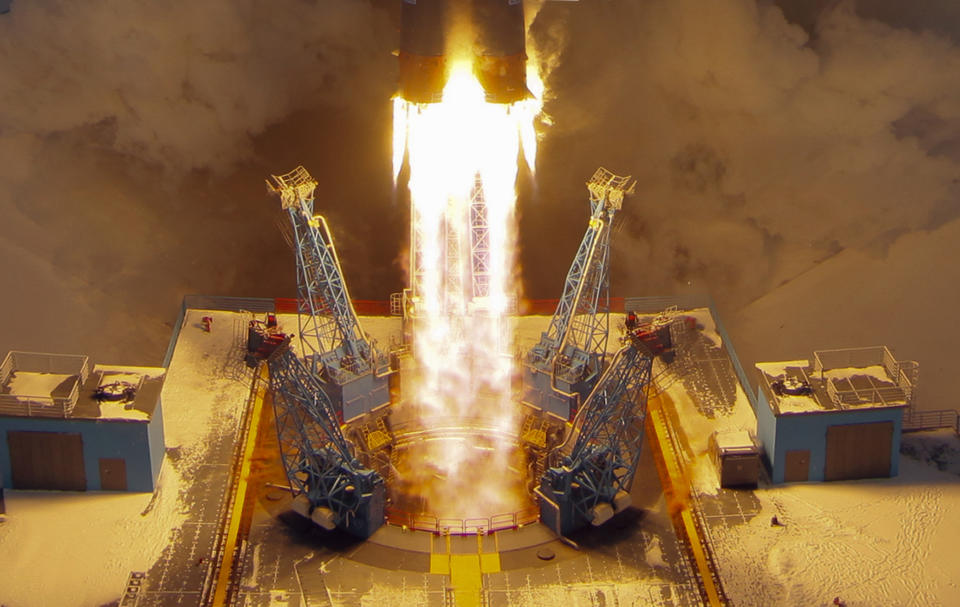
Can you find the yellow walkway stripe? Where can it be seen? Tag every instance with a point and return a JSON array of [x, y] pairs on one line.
[[676, 488], [236, 510], [465, 570], [490, 562], [466, 580], [440, 564]]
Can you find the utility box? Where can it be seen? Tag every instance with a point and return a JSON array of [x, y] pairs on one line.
[[737, 458]]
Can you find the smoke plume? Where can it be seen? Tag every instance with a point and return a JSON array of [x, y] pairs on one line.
[[767, 138], [760, 148], [134, 140]]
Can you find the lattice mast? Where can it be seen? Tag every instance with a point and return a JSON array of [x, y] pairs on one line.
[[565, 365], [599, 459], [465, 255], [331, 487], [479, 241], [336, 348]]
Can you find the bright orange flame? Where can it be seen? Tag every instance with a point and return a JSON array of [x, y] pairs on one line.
[[462, 338]]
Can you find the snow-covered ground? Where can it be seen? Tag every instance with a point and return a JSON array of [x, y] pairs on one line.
[[872, 542], [65, 548]]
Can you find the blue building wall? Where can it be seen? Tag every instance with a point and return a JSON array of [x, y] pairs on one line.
[[767, 433], [129, 440], [155, 437], [809, 432]]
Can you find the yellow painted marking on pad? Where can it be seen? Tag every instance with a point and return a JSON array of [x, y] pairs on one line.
[[490, 562], [236, 511], [465, 577], [677, 479], [440, 564]]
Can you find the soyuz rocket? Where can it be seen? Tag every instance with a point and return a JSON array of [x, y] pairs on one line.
[[433, 30]]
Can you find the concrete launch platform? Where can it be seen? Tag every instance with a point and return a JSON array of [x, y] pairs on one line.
[[634, 559]]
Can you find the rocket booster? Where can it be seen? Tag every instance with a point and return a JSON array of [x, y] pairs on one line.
[[492, 30]]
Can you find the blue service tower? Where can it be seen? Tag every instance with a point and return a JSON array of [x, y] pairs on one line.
[[331, 486], [561, 370], [593, 470], [351, 370]]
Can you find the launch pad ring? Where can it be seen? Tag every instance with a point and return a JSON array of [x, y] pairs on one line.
[[409, 481]]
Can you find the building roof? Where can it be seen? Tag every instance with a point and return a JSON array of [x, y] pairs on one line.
[[735, 442], [838, 380], [64, 386]]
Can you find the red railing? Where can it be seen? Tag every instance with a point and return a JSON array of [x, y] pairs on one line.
[[364, 307], [546, 307], [374, 307]]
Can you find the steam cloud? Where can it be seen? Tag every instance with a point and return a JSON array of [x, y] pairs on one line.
[[766, 138], [134, 140], [760, 149]]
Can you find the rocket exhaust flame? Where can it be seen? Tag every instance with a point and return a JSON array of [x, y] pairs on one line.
[[462, 154]]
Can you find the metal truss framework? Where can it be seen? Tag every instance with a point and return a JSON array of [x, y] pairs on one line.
[[573, 349], [457, 275], [593, 479], [329, 328], [318, 460], [479, 241]]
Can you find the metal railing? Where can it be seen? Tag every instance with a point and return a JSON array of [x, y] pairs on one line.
[[931, 420], [42, 405], [902, 374], [462, 526], [877, 395], [825, 360]]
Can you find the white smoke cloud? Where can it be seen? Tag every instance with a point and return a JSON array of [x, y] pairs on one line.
[[759, 150], [183, 84], [126, 134]]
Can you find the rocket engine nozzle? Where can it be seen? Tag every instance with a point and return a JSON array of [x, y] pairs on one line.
[[496, 34]]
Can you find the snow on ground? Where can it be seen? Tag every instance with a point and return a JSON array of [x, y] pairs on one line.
[[206, 384], [872, 542], [705, 319], [697, 430], [65, 548]]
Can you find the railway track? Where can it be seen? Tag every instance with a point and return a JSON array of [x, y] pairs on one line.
[[223, 577], [683, 505]]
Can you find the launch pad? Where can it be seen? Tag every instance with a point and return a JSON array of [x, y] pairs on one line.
[[420, 485], [283, 558]]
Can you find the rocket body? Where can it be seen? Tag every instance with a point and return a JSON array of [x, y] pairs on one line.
[[491, 32]]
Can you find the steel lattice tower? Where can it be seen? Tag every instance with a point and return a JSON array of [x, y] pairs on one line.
[[599, 459], [331, 486], [564, 366], [353, 372]]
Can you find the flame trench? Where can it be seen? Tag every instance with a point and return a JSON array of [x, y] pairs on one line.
[[461, 459]]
